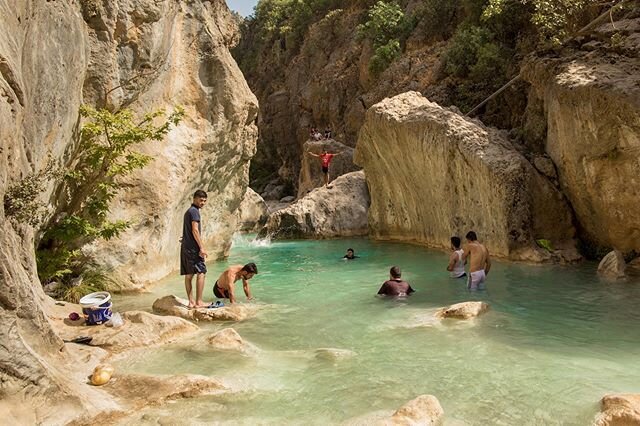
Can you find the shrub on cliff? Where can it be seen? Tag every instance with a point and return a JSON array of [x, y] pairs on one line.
[[386, 27]]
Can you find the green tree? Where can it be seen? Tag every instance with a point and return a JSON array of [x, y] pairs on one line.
[[386, 27], [553, 19], [106, 154]]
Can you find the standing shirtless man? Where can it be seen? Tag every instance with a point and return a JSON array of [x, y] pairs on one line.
[[325, 159], [480, 262], [223, 288]]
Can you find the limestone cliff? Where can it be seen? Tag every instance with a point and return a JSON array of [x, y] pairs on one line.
[[433, 174], [144, 55], [177, 53], [589, 101]]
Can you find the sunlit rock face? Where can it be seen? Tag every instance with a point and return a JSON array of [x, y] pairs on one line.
[[433, 173], [590, 101], [139, 54], [178, 54]]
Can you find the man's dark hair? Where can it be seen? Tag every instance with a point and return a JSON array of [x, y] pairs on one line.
[[471, 236], [200, 194], [395, 272], [250, 268], [349, 249], [456, 242]]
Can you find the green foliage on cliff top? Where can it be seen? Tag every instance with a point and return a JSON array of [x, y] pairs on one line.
[[386, 27], [106, 154]]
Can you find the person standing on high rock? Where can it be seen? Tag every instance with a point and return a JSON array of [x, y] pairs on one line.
[[480, 262], [192, 252], [325, 159]]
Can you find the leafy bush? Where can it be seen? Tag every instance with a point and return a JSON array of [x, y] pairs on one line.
[[553, 19], [386, 26], [21, 201], [106, 154], [436, 18]]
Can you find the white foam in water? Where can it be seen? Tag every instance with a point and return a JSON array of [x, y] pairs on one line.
[[251, 240]]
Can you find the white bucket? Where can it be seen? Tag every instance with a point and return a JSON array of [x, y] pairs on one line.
[[95, 299]]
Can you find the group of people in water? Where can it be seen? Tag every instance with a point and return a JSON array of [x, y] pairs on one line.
[[193, 256]]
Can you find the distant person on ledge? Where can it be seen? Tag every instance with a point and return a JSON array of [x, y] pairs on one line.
[[223, 288], [325, 159], [350, 255], [480, 262], [192, 252], [395, 286], [456, 262]]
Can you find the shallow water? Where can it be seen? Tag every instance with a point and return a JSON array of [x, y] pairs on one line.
[[556, 340]]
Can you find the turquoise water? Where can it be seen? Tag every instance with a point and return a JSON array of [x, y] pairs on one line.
[[556, 340]]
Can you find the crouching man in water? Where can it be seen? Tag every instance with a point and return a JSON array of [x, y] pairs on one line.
[[395, 286], [480, 262], [223, 288]]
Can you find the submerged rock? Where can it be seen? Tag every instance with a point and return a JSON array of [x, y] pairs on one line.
[[337, 211], [229, 340], [619, 410], [332, 354], [173, 305], [424, 410], [311, 175], [135, 391], [450, 174], [464, 310], [612, 265]]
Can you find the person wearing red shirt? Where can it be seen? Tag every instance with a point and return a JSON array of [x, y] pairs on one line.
[[325, 159]]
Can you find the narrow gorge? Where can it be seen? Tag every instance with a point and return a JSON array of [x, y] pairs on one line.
[[519, 120]]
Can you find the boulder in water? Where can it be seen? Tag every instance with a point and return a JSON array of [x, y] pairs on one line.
[[464, 310], [253, 211], [337, 211], [424, 410], [619, 410], [173, 305], [612, 265], [229, 340]]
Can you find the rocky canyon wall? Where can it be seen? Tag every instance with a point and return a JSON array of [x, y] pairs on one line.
[[327, 83], [590, 102], [433, 173], [140, 54]]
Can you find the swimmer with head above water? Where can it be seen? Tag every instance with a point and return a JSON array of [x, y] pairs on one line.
[[456, 263], [395, 286], [350, 255]]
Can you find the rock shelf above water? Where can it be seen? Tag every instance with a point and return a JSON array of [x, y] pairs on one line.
[[464, 310], [139, 329], [173, 305], [135, 391]]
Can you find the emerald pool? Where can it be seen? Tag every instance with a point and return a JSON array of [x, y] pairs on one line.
[[556, 340]]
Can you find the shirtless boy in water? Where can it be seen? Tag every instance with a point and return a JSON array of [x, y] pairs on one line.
[[223, 288], [480, 262]]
